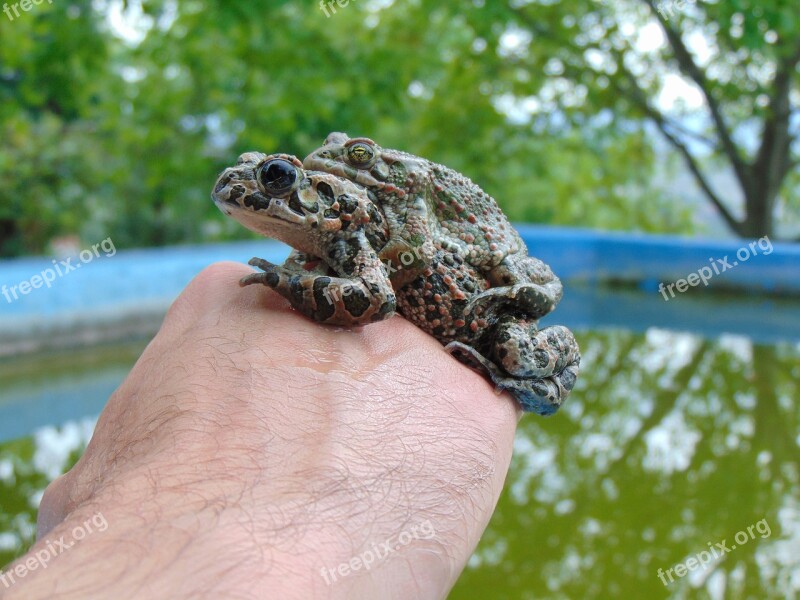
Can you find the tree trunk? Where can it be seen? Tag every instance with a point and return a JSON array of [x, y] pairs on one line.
[[759, 208]]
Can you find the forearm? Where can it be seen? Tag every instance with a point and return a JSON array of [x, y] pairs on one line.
[[286, 460], [205, 531]]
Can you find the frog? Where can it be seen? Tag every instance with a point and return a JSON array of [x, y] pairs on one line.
[[426, 204], [335, 274]]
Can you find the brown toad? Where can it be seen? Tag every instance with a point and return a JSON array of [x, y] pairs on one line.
[[427, 204], [335, 275]]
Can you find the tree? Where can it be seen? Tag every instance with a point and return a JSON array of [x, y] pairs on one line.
[[740, 56], [772, 41], [551, 107]]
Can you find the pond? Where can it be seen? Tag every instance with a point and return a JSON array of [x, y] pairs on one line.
[[672, 445]]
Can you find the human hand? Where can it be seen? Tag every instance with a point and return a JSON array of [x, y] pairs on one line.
[[251, 453]]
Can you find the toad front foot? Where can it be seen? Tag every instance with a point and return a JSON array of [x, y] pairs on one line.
[[406, 261], [539, 368], [325, 298], [410, 249]]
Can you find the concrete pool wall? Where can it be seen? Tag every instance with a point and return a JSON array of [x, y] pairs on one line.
[[126, 295]]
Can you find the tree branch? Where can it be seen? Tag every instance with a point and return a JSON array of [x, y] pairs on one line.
[[774, 156], [690, 67], [713, 145], [638, 97]]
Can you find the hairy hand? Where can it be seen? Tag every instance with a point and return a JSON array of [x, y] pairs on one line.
[[252, 453]]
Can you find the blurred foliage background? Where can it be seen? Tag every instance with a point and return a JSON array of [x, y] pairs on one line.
[[681, 117]]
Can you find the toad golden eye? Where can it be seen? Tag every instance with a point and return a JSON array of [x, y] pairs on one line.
[[277, 176], [360, 154]]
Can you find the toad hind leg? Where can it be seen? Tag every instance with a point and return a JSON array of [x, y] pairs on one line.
[[324, 298], [524, 282], [539, 368]]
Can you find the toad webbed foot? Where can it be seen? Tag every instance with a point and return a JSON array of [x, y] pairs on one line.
[[538, 367]]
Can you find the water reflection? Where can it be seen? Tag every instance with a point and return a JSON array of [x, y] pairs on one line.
[[26, 467], [670, 443]]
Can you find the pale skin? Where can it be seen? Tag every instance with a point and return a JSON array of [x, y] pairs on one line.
[[251, 452]]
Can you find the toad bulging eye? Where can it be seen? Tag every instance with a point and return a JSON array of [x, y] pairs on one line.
[[277, 176], [360, 154]]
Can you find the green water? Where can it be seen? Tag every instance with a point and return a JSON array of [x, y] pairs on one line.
[[670, 445]]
